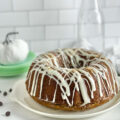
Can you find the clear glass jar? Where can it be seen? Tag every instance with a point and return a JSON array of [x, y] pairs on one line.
[[90, 25]]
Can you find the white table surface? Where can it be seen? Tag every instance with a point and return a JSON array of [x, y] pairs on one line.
[[19, 113]]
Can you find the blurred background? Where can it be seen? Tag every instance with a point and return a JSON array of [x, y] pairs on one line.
[[51, 24]]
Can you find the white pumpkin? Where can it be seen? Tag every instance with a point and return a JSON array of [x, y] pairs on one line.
[[13, 51]]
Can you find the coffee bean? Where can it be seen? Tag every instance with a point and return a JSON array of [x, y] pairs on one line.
[[0, 91], [10, 90], [1, 104], [7, 113], [5, 93]]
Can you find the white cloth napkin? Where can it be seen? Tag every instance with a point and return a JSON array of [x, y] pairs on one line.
[[113, 53]]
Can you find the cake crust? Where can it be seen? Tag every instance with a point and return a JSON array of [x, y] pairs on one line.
[[73, 108]]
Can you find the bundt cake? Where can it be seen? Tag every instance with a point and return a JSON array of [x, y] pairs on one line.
[[72, 79]]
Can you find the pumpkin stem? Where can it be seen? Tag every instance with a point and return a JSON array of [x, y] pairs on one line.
[[7, 37]]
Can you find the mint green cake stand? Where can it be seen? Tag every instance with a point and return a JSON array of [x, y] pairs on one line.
[[17, 69]]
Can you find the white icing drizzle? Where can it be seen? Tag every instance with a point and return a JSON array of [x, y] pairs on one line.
[[87, 74], [47, 65], [54, 94], [83, 89]]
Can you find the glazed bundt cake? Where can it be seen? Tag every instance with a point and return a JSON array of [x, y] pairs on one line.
[[72, 79]]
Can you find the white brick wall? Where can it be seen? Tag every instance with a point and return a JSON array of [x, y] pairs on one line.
[[111, 41], [58, 4], [13, 19], [44, 46], [43, 17], [112, 30], [51, 24], [27, 4], [31, 33], [68, 16], [60, 32], [5, 5], [112, 3], [111, 15]]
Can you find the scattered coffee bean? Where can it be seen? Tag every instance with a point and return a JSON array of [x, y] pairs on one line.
[[10, 90], [1, 104], [0, 91], [5, 93], [7, 113]]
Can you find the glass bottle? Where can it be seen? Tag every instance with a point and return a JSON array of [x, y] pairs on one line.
[[90, 25]]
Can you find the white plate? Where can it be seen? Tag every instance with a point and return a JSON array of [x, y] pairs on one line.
[[21, 96]]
